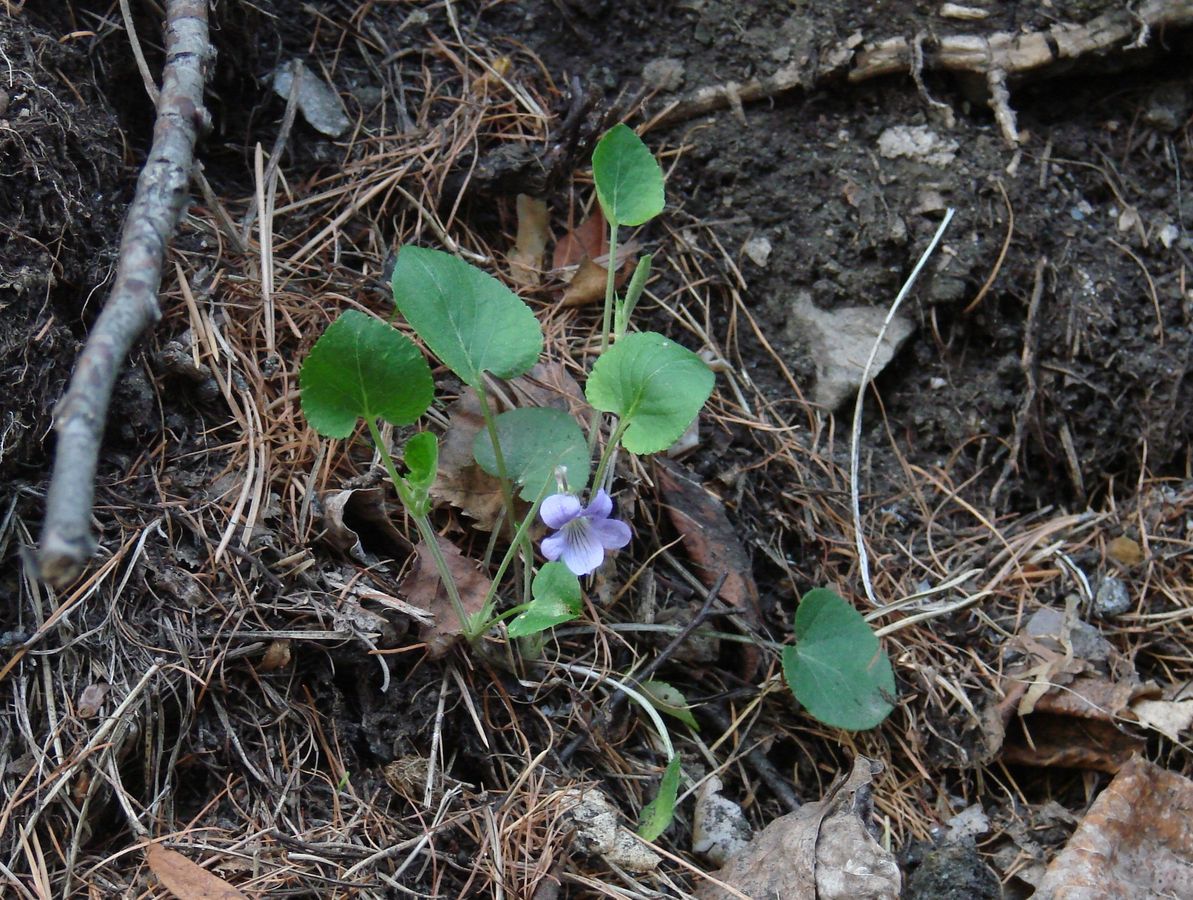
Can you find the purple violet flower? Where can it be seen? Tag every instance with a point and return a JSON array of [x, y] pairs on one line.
[[583, 534]]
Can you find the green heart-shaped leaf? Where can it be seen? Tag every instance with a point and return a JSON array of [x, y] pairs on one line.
[[629, 182], [533, 442], [557, 599], [467, 318], [655, 385], [837, 669], [658, 813], [361, 368]]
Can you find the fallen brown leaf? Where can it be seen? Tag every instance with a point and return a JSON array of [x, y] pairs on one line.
[[711, 543], [423, 588], [464, 484], [186, 880], [587, 285], [549, 385], [460, 481], [1064, 698], [589, 239], [526, 262], [822, 850], [1135, 840], [91, 699]]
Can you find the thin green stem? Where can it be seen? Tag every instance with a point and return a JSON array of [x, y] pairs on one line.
[[423, 524], [519, 536], [610, 289], [507, 492], [607, 455], [427, 533]]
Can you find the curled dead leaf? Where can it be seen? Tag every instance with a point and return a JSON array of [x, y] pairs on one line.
[[822, 850], [348, 514]]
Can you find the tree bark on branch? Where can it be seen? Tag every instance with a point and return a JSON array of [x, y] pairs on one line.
[[66, 540]]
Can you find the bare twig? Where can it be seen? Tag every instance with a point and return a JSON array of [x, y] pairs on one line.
[[1030, 364], [67, 542]]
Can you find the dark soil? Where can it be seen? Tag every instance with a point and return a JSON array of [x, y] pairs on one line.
[[1021, 417]]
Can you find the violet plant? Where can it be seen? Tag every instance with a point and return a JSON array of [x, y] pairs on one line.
[[644, 388]]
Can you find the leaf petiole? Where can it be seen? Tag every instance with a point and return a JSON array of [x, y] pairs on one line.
[[423, 523]]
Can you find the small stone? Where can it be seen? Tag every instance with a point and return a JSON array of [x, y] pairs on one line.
[[1086, 640], [917, 142], [719, 828], [972, 822], [597, 832], [758, 250], [1112, 598], [1125, 551], [666, 74]]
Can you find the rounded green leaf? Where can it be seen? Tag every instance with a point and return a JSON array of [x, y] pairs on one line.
[[468, 318], [363, 368], [837, 669], [629, 182], [556, 599], [533, 442], [655, 385]]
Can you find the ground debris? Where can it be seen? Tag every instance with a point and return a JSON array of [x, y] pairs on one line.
[[822, 850], [1133, 842], [599, 833], [317, 102]]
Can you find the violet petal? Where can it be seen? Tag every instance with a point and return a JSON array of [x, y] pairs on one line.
[[599, 506], [582, 552], [613, 534], [554, 545], [559, 509]]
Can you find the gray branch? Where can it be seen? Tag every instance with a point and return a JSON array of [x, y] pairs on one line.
[[66, 540]]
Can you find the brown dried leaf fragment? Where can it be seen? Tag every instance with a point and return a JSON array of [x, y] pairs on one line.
[[711, 543], [526, 262], [461, 482], [423, 588], [587, 285], [1134, 841], [92, 699], [186, 880]]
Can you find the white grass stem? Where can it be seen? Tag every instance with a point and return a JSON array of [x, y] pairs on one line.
[[863, 557]]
